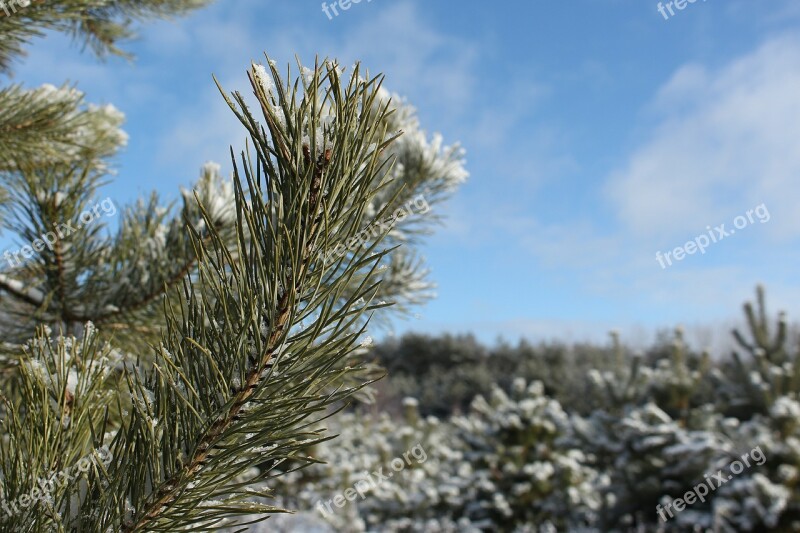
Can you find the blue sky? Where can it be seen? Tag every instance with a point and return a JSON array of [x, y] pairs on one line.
[[597, 133]]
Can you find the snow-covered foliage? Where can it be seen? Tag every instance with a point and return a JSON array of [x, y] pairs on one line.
[[518, 461], [501, 465], [72, 132]]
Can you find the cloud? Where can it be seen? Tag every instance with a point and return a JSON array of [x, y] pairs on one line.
[[727, 139], [574, 243], [722, 140]]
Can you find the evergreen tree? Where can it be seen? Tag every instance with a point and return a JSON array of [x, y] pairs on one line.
[[761, 392], [755, 382], [501, 467], [649, 437], [184, 357]]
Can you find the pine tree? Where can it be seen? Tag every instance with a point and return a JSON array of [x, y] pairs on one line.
[[762, 393], [184, 357], [649, 437], [754, 383], [501, 467]]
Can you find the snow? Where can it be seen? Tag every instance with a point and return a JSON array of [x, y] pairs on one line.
[[263, 79], [19, 287]]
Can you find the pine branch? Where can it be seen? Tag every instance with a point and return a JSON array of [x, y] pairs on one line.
[[168, 493], [97, 24], [147, 299], [50, 126], [101, 279], [17, 289], [263, 340], [236, 351]]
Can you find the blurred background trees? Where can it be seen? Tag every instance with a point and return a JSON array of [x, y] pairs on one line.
[[556, 437]]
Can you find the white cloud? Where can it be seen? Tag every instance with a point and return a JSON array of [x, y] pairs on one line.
[[728, 140]]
